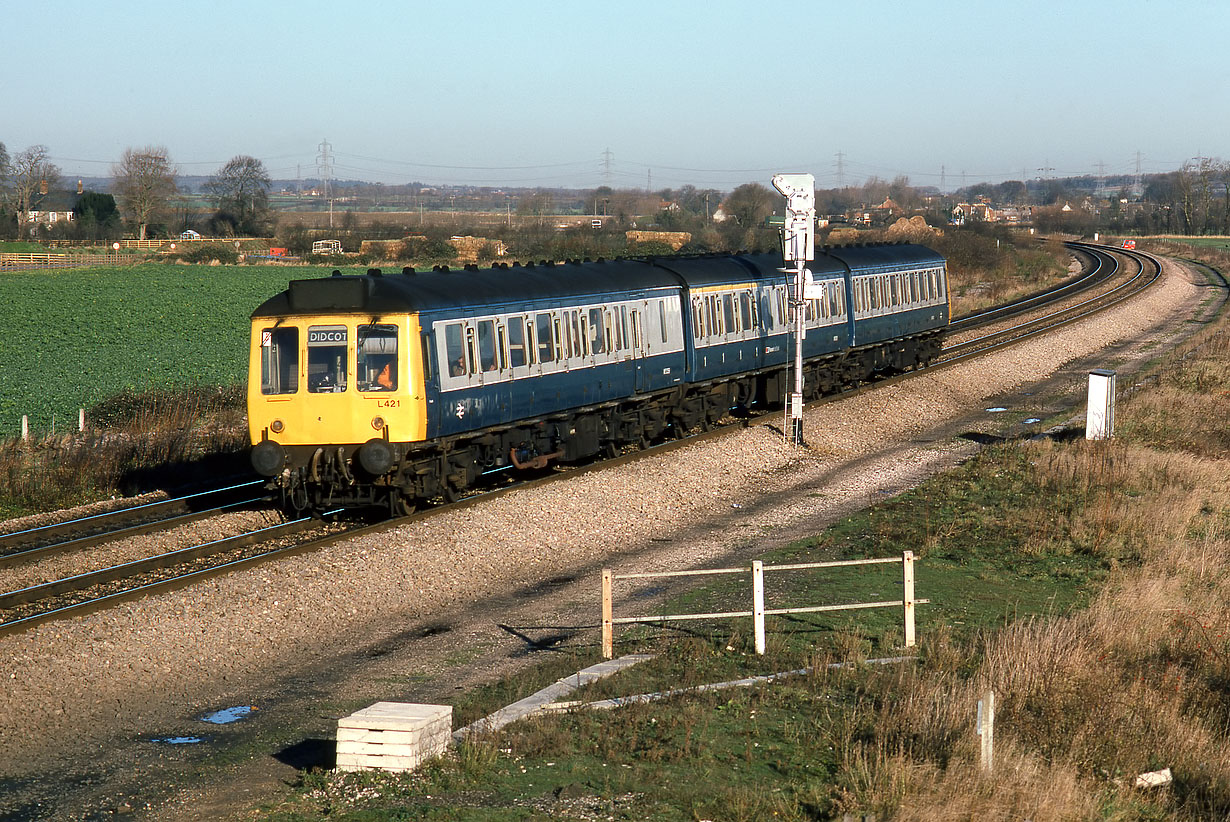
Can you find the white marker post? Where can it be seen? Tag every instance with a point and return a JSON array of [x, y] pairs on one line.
[[799, 238], [1100, 413]]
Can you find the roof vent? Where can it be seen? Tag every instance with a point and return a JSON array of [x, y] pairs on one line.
[[336, 273], [375, 272], [408, 270]]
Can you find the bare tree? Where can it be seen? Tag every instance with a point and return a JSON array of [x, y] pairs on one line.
[[240, 191], [750, 204], [144, 184], [33, 176]]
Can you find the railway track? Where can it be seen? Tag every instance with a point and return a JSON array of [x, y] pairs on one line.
[[86, 532], [1148, 271], [167, 571]]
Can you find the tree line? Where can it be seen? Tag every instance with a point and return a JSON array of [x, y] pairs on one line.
[[145, 199]]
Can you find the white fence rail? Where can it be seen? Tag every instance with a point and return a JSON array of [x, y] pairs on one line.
[[759, 612]]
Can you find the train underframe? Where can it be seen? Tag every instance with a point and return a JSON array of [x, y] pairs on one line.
[[396, 476]]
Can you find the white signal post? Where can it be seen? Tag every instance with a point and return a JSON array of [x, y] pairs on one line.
[[798, 247]]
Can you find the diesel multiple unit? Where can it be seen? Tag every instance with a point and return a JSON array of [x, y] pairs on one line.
[[383, 390]]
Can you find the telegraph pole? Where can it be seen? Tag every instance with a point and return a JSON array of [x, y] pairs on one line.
[[798, 247]]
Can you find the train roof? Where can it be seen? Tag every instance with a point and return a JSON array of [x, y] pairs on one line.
[[462, 287], [518, 285]]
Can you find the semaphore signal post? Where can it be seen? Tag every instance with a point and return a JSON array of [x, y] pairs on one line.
[[798, 247]]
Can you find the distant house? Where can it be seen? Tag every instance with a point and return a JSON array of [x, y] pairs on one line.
[[54, 207]]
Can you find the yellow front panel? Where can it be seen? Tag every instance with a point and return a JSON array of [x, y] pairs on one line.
[[313, 411]]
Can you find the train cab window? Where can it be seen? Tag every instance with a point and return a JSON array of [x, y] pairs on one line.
[[377, 357], [326, 358], [486, 346], [455, 351], [546, 345], [517, 351], [597, 332], [279, 360]]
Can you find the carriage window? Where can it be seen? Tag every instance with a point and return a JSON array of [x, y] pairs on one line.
[[546, 349], [572, 334], [745, 311], [516, 343], [427, 364], [377, 361], [327, 358], [486, 345], [454, 350], [621, 328], [662, 317], [728, 313], [835, 307], [597, 332], [279, 360]]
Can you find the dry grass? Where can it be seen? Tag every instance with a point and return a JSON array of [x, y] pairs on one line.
[[142, 440], [1137, 682]]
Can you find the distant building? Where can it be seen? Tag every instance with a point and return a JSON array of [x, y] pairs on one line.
[[53, 208]]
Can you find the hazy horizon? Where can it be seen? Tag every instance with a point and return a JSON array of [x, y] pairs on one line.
[[710, 94]]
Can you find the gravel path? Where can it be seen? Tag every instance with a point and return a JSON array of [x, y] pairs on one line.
[[84, 684]]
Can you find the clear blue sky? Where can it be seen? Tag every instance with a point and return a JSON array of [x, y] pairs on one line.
[[713, 93]]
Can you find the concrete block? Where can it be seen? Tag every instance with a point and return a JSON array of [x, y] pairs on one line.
[[393, 736]]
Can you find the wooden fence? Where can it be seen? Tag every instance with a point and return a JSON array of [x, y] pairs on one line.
[[759, 612], [22, 262]]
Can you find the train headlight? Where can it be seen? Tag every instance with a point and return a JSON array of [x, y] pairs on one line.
[[378, 423], [377, 457], [268, 458], [277, 426]]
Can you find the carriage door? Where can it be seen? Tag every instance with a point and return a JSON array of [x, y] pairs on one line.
[[639, 353]]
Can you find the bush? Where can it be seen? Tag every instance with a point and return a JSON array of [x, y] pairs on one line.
[[206, 253]]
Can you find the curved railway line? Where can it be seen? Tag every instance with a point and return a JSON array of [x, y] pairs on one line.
[[170, 570]]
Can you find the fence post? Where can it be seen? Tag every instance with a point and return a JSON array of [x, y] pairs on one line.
[[907, 596], [608, 626], [758, 604], [986, 729], [25, 427], [80, 419]]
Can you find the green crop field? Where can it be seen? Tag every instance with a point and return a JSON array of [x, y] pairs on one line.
[[73, 337]]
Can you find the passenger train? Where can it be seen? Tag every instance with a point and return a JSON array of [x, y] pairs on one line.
[[384, 390]]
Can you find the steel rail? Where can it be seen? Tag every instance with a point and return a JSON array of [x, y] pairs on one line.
[[99, 526]]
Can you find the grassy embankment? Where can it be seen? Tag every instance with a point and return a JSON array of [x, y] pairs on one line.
[[155, 352], [1086, 584]]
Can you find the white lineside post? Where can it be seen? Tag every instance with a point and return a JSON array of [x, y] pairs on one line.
[[25, 427], [986, 730], [1100, 414], [798, 247], [80, 419], [907, 595], [758, 605], [608, 624]]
